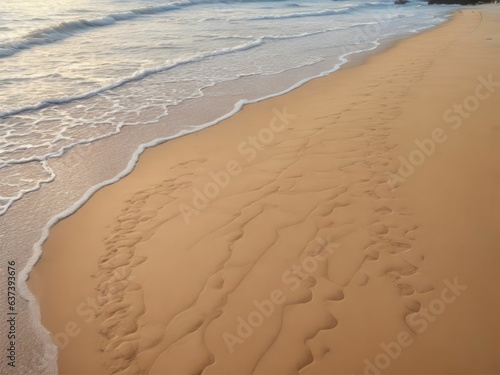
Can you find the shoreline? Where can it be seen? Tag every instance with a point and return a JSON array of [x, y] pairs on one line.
[[349, 58], [29, 304], [359, 58], [364, 54], [278, 95]]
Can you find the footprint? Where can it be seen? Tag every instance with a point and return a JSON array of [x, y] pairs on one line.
[[383, 211], [406, 290], [360, 279]]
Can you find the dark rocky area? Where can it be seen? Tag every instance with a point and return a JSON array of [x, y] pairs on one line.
[[460, 2]]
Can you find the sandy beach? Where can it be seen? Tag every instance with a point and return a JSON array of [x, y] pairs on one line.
[[347, 227]]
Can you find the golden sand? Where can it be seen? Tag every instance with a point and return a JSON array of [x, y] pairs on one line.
[[349, 226]]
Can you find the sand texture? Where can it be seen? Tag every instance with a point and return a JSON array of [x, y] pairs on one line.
[[350, 226]]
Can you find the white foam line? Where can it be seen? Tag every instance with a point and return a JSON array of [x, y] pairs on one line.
[[22, 192], [43, 161], [139, 75]]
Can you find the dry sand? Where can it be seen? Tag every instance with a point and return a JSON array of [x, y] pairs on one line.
[[306, 229]]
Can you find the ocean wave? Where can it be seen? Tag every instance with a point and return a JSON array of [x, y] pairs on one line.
[[64, 30], [248, 42], [326, 12], [141, 74], [320, 13]]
